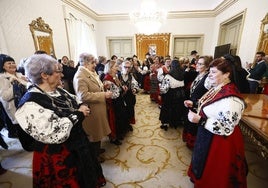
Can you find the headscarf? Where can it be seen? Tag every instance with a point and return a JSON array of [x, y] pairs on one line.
[[176, 71]]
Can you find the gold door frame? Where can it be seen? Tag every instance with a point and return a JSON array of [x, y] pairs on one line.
[[158, 44], [42, 36]]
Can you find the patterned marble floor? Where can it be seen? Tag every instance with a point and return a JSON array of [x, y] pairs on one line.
[[148, 158]]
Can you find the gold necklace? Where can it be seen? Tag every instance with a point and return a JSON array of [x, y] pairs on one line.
[[59, 104], [208, 96]]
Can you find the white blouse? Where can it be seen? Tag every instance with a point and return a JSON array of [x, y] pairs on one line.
[[224, 115], [43, 124]]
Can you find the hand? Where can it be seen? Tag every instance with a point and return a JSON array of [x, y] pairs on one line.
[[193, 117], [12, 79], [134, 91], [188, 103], [108, 94], [24, 78], [85, 109], [125, 88]]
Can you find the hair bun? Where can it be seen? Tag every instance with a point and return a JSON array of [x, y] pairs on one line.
[[229, 57]]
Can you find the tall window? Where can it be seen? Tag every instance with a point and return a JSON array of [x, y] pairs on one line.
[[81, 37]]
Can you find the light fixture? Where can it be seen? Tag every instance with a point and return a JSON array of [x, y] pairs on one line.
[[149, 19]]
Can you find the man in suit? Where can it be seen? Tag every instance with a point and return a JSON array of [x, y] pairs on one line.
[[256, 71]]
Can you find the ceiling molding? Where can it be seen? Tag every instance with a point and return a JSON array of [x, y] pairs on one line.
[[171, 15]]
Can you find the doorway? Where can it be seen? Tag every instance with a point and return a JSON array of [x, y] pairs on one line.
[[183, 45]]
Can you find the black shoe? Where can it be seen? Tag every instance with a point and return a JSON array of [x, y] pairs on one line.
[[165, 127], [116, 142], [102, 150], [2, 170], [130, 128], [3, 143], [100, 159]]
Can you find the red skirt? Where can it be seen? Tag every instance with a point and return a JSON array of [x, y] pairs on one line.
[[49, 170], [226, 165]]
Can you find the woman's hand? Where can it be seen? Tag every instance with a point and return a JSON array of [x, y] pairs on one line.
[[85, 109], [193, 117], [108, 94], [188, 103]]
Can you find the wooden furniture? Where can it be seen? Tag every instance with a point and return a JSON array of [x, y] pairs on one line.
[[42, 36], [254, 122], [156, 44]]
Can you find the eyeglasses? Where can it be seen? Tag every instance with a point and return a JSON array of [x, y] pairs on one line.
[[58, 70], [200, 64], [126, 67]]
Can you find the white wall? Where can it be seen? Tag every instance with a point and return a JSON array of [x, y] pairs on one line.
[[16, 39], [15, 17], [255, 12], [189, 26]]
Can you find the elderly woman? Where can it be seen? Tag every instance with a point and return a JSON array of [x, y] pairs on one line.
[[116, 107], [197, 90], [131, 88], [90, 90], [53, 119], [9, 96], [219, 144]]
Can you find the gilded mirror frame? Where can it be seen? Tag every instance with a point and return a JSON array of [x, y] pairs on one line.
[[42, 36], [263, 38]]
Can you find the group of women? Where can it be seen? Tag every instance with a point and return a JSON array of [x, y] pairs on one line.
[[65, 145], [210, 113]]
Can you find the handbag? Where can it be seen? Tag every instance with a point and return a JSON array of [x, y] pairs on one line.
[[18, 91]]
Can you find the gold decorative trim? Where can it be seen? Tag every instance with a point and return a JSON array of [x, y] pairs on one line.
[[263, 37], [40, 25], [255, 138], [160, 40], [42, 36]]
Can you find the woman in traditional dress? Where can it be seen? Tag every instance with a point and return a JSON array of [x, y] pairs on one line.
[[197, 90], [219, 157], [52, 118], [131, 89], [172, 110], [116, 107]]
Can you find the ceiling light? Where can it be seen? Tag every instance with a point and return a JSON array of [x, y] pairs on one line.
[[149, 19]]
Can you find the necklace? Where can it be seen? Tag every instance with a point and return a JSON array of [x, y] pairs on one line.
[[208, 96], [61, 101], [196, 82]]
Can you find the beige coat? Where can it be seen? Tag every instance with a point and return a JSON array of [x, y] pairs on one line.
[[90, 91]]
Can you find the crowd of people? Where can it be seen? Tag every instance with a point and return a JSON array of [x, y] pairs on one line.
[[62, 111]]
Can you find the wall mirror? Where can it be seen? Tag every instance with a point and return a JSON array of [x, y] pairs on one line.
[[42, 36]]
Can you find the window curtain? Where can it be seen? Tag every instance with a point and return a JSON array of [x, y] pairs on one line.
[[81, 37], [3, 46]]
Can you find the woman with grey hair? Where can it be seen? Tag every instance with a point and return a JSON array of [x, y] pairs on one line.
[[51, 123], [89, 89]]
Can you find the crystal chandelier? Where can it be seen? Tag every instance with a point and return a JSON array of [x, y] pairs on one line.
[[149, 19]]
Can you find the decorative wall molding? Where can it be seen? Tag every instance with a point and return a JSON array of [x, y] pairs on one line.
[[171, 15]]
